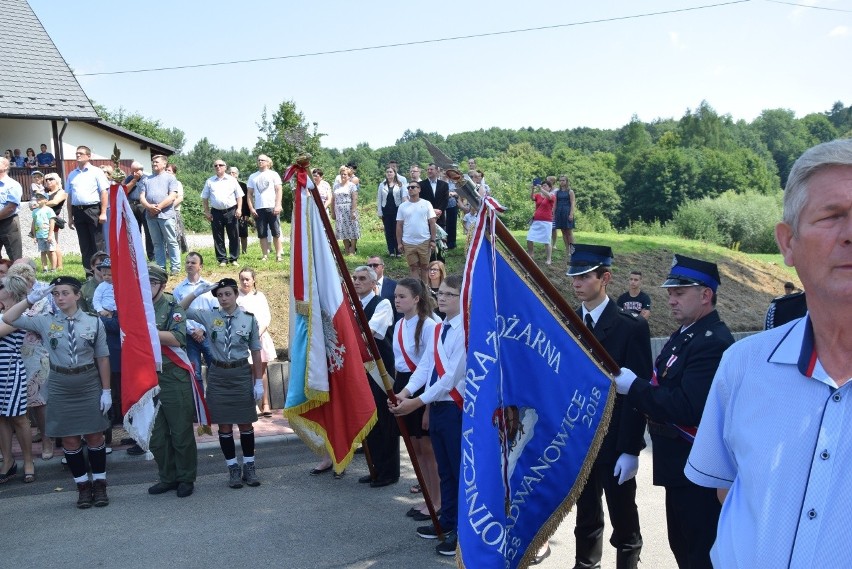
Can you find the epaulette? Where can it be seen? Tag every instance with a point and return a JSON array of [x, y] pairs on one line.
[[629, 313], [249, 313]]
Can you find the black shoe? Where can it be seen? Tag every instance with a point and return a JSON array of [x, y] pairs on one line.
[[544, 555], [428, 532], [185, 489], [382, 483], [419, 517], [339, 475], [412, 512], [448, 546], [359, 450], [162, 488], [135, 450], [128, 441], [365, 479], [318, 471]]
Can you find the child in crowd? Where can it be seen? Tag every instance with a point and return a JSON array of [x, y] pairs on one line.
[[43, 231], [104, 299], [445, 353]]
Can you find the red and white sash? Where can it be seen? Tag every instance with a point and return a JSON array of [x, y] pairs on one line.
[[178, 357], [408, 362], [440, 357]]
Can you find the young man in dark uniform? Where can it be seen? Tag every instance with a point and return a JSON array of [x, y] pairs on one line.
[[673, 399], [627, 339]]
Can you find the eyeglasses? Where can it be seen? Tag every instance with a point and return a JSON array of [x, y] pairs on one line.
[[413, 187], [374, 265], [218, 165], [442, 294]]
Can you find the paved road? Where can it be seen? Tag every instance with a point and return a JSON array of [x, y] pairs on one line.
[[292, 520]]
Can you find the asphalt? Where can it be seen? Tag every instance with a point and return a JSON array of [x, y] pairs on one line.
[[291, 520]]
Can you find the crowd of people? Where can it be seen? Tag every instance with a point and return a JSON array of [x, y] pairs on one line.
[[746, 482], [29, 159]]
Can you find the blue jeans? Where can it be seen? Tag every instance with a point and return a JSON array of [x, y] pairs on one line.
[[194, 351], [164, 238]]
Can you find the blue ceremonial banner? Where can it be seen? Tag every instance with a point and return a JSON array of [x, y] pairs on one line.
[[536, 408]]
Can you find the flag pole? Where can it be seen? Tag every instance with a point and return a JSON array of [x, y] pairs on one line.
[[374, 350]]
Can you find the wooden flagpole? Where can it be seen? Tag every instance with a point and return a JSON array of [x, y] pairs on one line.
[[374, 350]]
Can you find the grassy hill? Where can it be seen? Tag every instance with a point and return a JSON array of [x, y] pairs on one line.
[[749, 282]]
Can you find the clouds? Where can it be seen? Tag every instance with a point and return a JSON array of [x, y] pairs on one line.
[[676, 41], [839, 32]]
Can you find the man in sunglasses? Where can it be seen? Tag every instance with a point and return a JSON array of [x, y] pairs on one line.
[[222, 198], [385, 287], [415, 232]]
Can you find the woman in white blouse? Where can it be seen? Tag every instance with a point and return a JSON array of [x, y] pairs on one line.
[[254, 301], [410, 338]]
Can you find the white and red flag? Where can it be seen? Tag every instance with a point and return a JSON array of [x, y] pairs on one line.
[[141, 356], [329, 402]]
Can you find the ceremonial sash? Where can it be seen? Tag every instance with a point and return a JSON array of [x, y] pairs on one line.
[[178, 357], [410, 364], [441, 356], [686, 433]]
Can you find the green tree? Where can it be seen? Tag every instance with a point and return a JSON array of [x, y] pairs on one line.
[[784, 136], [593, 179], [282, 137], [148, 127], [704, 128]]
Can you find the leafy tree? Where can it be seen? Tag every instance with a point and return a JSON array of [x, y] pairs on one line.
[[282, 138], [633, 139], [593, 178], [704, 128], [784, 136], [819, 127], [151, 128]]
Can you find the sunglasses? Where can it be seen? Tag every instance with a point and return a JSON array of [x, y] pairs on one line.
[[413, 187]]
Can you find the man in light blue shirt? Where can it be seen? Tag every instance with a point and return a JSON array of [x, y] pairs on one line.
[[10, 202], [774, 435], [88, 196]]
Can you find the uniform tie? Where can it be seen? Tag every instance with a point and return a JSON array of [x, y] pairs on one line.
[[72, 342], [228, 336], [434, 378], [590, 324]]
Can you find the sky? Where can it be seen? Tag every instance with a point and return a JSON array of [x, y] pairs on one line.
[[595, 64]]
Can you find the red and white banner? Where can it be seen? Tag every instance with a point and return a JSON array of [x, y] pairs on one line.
[[141, 357]]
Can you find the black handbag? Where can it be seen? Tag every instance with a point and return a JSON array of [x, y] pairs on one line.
[[59, 222]]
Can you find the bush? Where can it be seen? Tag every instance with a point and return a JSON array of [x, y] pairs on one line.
[[647, 228], [593, 220], [739, 221]]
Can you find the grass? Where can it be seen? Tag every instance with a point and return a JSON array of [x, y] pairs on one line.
[[750, 280]]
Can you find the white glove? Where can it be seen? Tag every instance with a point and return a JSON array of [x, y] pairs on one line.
[[626, 467], [258, 389], [37, 294], [204, 288], [624, 380], [106, 401]]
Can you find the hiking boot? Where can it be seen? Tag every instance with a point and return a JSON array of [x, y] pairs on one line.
[[84, 499], [250, 475], [234, 477], [99, 493]]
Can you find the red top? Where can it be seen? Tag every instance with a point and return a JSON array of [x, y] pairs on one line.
[[543, 207]]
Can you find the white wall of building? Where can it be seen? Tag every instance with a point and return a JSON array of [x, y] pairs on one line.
[[19, 133]]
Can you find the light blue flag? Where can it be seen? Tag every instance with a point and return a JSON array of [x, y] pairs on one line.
[[536, 407]]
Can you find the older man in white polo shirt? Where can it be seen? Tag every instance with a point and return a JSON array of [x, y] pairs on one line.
[[222, 198]]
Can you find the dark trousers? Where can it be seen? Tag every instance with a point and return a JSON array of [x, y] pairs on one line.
[[90, 233], [623, 514], [224, 221], [445, 427], [452, 226], [692, 515], [10, 237], [139, 213], [383, 440], [389, 222]]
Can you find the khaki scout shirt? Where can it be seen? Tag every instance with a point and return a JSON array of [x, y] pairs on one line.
[[244, 333], [89, 333]]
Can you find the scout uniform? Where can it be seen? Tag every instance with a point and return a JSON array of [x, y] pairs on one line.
[[172, 440], [230, 394], [74, 389]]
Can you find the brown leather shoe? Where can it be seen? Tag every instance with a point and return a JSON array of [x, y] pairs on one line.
[[84, 499], [99, 493]]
